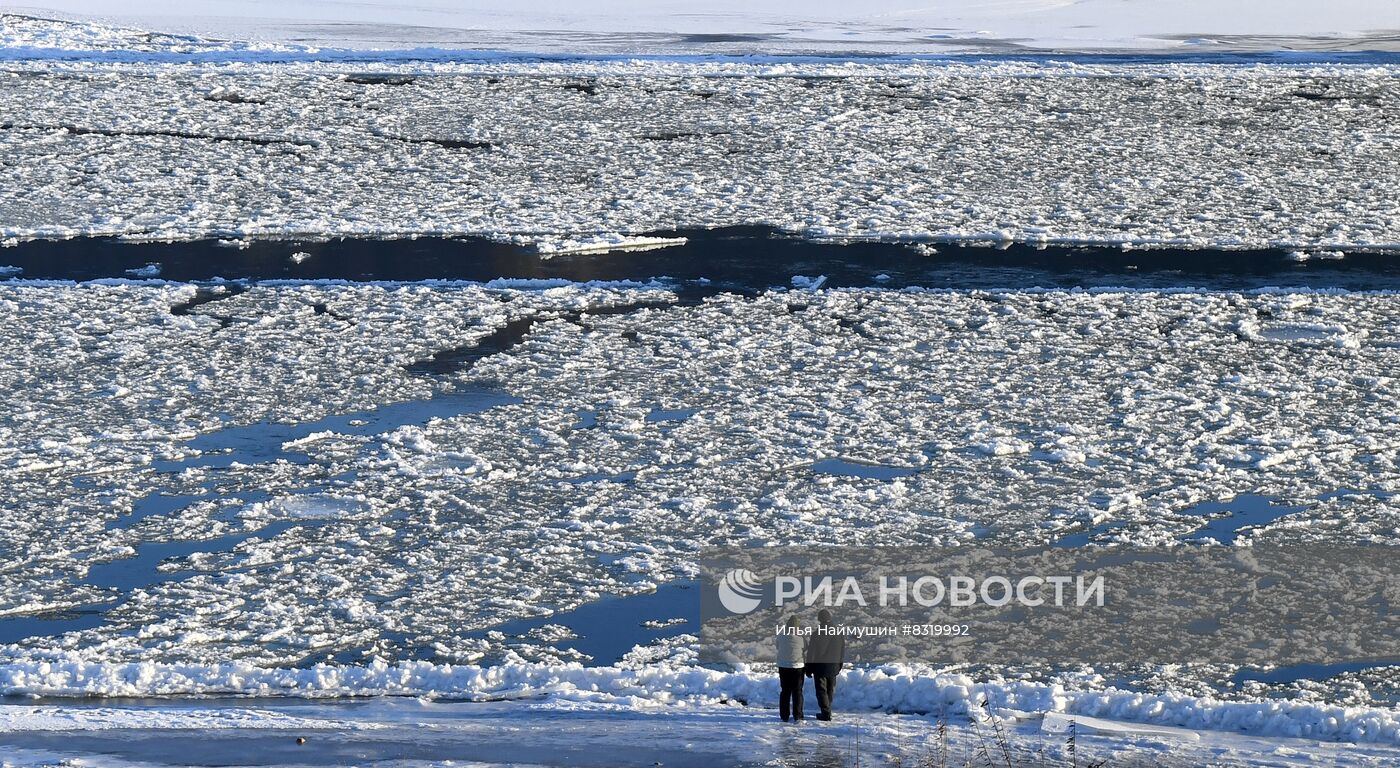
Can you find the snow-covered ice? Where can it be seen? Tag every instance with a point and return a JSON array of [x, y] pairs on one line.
[[1227, 155]]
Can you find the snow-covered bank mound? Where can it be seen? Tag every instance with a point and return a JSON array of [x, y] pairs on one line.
[[888, 689]]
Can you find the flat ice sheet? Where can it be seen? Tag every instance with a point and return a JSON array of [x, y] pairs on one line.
[[419, 732]]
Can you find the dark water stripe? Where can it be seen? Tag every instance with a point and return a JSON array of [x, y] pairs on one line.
[[1299, 672], [513, 333], [608, 628], [737, 258]]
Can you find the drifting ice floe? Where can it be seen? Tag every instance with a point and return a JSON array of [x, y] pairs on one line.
[[150, 270], [605, 243]]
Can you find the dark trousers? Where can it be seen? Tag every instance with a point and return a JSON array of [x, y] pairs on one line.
[[790, 699], [825, 683]]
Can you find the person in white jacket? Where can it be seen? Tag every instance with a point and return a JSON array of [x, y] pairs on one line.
[[792, 652]]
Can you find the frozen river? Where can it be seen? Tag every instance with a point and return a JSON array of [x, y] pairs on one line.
[[386, 400]]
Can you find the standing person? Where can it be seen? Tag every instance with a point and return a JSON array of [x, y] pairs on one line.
[[792, 654], [826, 654]]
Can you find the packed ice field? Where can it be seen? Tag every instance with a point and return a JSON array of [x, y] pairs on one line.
[[334, 489], [138, 135], [620, 444]]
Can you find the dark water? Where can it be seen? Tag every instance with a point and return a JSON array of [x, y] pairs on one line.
[[458, 358], [1299, 672], [262, 442], [156, 504], [658, 415], [513, 333], [741, 259], [844, 468], [1243, 511], [609, 628], [1093, 534], [1229, 519]]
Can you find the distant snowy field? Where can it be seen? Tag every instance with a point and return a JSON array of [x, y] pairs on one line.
[[629, 26]]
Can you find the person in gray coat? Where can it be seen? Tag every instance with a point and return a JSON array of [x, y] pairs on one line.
[[792, 654], [826, 654]]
